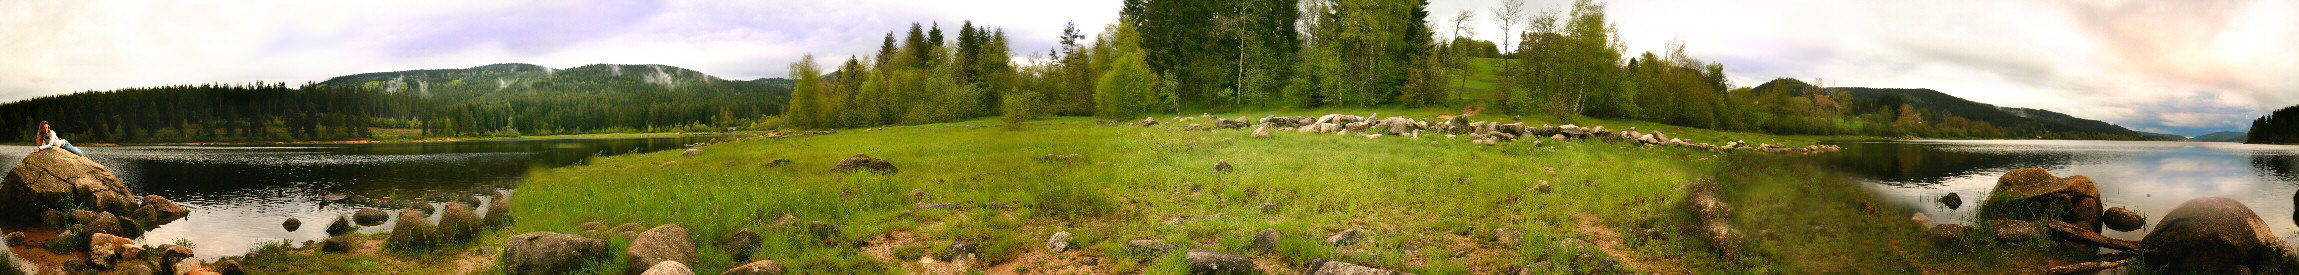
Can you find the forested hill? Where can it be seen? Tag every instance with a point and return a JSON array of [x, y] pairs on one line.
[[2229, 136], [496, 100], [2015, 122]]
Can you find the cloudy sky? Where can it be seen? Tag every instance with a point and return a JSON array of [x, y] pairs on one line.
[[2185, 67]]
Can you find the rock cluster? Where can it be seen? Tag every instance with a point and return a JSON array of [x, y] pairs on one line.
[[1480, 132], [863, 162]]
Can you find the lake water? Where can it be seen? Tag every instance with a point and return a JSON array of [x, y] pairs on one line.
[[238, 195], [2148, 177]]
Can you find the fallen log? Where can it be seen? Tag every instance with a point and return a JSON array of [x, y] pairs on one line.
[[2078, 234], [2104, 263]]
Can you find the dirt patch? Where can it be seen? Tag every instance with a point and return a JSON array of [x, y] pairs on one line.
[[1608, 240]]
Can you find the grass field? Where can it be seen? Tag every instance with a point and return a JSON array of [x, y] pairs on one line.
[[1429, 205]]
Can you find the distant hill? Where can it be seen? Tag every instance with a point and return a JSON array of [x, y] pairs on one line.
[[2229, 136], [2023, 122], [527, 98]]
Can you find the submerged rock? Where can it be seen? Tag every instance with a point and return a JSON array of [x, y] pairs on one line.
[[291, 224]]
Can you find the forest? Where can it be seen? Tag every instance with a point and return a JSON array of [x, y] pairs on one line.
[[1161, 57], [2279, 127]]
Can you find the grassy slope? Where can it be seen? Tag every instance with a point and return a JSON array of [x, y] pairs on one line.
[[1421, 200]]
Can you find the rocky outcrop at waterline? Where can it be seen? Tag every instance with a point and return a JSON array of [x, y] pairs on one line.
[[55, 180], [2209, 235]]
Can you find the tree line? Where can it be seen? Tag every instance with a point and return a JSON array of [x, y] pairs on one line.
[[207, 112], [2279, 127]]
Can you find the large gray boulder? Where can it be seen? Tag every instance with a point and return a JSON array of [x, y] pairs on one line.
[[55, 179], [2213, 235], [550, 253], [668, 242]]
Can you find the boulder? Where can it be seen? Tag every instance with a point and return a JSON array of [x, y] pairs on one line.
[[498, 212], [337, 244], [959, 252], [49, 179], [106, 223], [691, 152], [863, 162], [1261, 132], [668, 242], [2213, 235], [1266, 239], [2033, 194], [228, 267], [156, 211], [170, 253], [668, 268], [291, 224], [761, 267], [105, 250], [740, 244], [339, 227], [457, 222], [2121, 219], [1202, 262], [1952, 201], [1059, 242], [1341, 268], [369, 217], [550, 253]]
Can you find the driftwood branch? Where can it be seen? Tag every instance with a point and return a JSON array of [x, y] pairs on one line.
[[2071, 232], [2104, 263]]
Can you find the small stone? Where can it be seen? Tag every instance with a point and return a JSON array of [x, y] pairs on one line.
[[1266, 240], [1921, 220], [340, 226], [1058, 243], [1345, 237], [1508, 237], [1202, 262], [761, 267], [1223, 167], [1267, 208], [1148, 247]]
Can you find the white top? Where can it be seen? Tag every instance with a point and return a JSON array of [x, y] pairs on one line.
[[53, 141]]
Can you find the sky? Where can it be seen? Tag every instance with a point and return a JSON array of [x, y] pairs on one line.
[[2185, 67]]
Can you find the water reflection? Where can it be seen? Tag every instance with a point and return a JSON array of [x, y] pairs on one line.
[[2148, 177], [239, 194]]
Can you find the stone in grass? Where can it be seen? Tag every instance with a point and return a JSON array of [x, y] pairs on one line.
[[1148, 248], [761, 267], [1266, 239], [668, 242], [550, 253], [1345, 237], [1508, 237], [1202, 262], [1267, 208], [863, 162], [337, 244], [1341, 268], [1058, 243], [668, 268], [740, 244], [1223, 167]]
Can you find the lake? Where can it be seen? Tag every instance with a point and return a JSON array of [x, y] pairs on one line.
[[2149, 177], [239, 195]]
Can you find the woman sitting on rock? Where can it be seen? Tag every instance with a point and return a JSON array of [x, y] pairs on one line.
[[48, 139]]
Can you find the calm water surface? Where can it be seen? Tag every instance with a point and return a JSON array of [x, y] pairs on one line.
[[238, 195], [2151, 178]]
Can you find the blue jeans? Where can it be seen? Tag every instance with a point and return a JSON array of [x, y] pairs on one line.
[[67, 146]]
